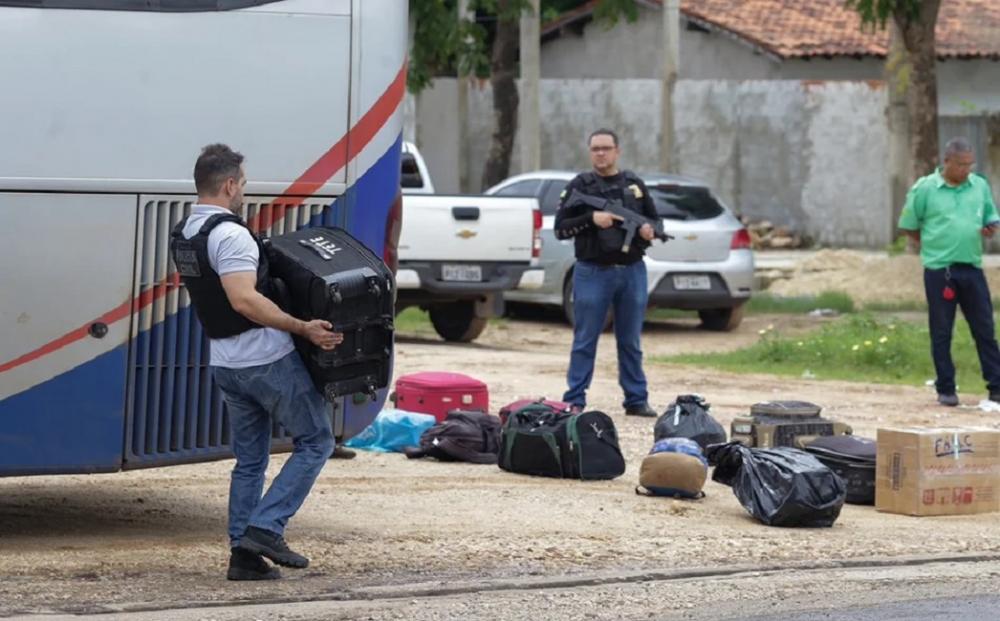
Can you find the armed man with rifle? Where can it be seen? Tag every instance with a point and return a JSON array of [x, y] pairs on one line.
[[613, 219]]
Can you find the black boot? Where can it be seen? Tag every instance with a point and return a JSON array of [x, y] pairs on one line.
[[244, 565], [273, 546], [641, 409]]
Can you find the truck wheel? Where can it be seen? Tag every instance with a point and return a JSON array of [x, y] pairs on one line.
[[721, 319], [567, 305], [457, 321]]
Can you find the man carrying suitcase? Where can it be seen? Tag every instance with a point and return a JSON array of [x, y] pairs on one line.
[[605, 277], [262, 377]]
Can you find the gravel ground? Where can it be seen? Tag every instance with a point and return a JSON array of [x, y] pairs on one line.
[[157, 537]]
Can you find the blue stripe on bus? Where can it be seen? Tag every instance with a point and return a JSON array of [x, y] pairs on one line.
[[364, 207], [363, 210], [72, 422]]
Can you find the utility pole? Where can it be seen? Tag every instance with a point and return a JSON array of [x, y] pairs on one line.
[[462, 110], [670, 46], [897, 75], [529, 126]]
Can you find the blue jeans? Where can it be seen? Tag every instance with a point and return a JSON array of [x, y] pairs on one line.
[[597, 288], [282, 390], [973, 296]]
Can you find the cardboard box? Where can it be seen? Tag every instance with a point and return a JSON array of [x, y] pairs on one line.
[[943, 471]]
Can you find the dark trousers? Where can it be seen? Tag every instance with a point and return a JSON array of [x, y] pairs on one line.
[[973, 296]]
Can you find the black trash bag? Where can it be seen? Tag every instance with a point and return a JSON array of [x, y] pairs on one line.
[[688, 417], [779, 486]]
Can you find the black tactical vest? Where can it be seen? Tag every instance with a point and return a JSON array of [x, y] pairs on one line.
[[209, 299], [608, 242]]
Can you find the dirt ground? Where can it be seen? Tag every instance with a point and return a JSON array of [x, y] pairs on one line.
[[157, 538]]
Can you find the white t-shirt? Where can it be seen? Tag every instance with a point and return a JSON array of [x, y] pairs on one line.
[[231, 249]]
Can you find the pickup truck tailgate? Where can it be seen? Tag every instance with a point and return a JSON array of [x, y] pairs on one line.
[[466, 228]]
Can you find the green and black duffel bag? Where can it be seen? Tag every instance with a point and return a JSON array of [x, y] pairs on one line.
[[560, 444]]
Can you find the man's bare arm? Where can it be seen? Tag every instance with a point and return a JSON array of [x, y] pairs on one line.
[[246, 300]]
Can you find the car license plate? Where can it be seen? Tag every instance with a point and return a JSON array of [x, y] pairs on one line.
[[462, 273], [692, 282]]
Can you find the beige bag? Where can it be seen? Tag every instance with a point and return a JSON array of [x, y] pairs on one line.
[[672, 474]]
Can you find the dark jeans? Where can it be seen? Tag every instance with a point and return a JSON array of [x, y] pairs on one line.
[[255, 397], [973, 296], [596, 289]]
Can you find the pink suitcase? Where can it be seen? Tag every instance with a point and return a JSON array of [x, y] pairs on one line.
[[438, 393]]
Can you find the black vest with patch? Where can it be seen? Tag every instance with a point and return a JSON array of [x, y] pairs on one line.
[[208, 297], [604, 245]]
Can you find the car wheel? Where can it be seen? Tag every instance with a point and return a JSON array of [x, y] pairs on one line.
[[721, 319], [457, 321], [567, 305]]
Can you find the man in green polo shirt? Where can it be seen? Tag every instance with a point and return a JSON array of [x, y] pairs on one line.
[[947, 214]]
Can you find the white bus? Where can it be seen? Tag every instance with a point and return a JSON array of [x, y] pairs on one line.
[[105, 106]]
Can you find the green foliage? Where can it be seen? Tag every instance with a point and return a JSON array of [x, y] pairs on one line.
[[878, 12], [445, 44], [897, 247], [859, 348]]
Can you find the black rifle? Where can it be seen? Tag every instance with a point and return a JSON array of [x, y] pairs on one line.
[[631, 221]]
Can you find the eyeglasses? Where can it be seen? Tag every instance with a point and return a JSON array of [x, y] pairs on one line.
[[600, 149]]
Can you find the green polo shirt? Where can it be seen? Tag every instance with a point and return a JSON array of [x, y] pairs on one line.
[[950, 219]]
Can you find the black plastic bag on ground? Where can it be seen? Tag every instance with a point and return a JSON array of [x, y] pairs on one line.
[[688, 417], [779, 486]]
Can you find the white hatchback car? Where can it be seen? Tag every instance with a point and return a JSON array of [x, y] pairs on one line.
[[708, 267]]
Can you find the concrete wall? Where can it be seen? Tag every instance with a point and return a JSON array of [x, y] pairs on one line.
[[804, 154]]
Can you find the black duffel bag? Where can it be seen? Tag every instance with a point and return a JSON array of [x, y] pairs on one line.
[[779, 486], [560, 444], [462, 436]]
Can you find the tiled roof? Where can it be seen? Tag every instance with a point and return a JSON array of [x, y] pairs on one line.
[[806, 28]]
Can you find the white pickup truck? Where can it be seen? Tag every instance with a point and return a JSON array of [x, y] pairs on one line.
[[458, 254]]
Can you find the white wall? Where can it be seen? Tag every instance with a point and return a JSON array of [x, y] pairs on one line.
[[809, 155]]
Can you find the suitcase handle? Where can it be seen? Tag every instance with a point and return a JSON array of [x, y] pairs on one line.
[[326, 256]]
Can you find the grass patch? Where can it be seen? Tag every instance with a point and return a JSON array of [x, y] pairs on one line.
[[414, 321], [858, 347]]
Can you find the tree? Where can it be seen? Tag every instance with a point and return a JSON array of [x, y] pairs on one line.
[[915, 22], [446, 43]]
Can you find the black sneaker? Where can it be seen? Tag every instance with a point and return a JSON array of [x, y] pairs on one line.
[[273, 546], [995, 397], [244, 565], [642, 409], [339, 452], [950, 400]]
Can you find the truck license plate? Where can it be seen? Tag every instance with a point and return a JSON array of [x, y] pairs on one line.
[[689, 282], [463, 273]]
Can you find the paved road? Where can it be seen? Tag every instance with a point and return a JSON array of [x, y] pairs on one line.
[[880, 590], [966, 608]]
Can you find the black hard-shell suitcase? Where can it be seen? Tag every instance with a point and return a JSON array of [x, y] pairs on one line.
[[853, 459], [324, 273]]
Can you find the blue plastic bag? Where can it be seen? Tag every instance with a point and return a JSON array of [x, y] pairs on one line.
[[392, 431]]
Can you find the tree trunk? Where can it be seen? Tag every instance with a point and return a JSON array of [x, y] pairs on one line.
[[897, 77], [503, 67], [919, 40]]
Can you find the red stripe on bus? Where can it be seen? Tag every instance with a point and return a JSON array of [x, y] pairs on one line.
[[115, 315], [345, 150], [342, 152]]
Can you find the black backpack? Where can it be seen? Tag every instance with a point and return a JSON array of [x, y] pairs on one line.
[[688, 417], [560, 444], [462, 436]]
